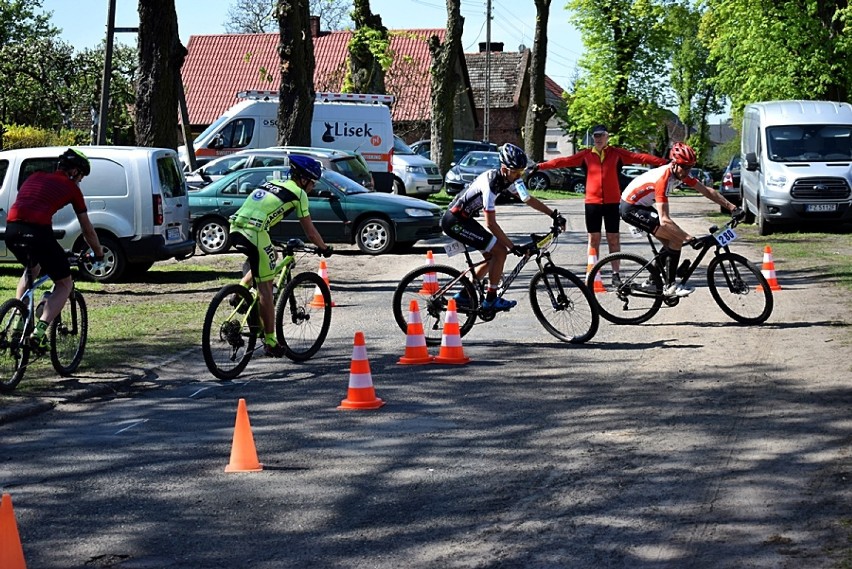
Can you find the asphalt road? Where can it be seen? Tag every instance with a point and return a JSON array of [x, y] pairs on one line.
[[685, 442]]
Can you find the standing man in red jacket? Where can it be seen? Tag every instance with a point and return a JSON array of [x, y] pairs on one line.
[[603, 192]]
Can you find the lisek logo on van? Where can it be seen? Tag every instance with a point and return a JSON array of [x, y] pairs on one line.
[[336, 130]]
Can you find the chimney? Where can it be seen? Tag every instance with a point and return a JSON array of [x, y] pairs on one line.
[[315, 26], [495, 46]]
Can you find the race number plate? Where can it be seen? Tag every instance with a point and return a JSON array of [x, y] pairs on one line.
[[453, 248], [725, 236]]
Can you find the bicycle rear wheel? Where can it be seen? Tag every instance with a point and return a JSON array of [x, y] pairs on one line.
[[14, 349], [68, 333], [638, 296], [430, 287], [229, 334], [303, 316], [564, 305], [740, 290]]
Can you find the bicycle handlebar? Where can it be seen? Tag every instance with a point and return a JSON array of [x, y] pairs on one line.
[[297, 245]]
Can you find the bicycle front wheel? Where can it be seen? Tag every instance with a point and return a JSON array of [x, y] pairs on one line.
[[632, 298], [432, 286], [230, 331], [740, 290], [564, 305], [14, 349], [68, 334], [303, 316]]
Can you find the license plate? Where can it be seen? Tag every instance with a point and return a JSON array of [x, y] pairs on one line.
[[454, 248], [813, 207], [725, 236], [173, 234]]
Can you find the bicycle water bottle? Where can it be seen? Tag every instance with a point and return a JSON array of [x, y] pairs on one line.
[[683, 269]]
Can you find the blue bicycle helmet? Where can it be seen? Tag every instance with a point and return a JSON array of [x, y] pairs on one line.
[[513, 157], [305, 167]]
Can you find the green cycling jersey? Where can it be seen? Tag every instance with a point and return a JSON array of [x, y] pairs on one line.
[[268, 205]]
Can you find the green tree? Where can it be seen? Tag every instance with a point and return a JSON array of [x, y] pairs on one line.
[[779, 49], [445, 81], [692, 75], [369, 52], [161, 56], [626, 49], [296, 92]]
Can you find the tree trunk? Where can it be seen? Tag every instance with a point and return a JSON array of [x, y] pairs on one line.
[[161, 56], [538, 113], [366, 73], [296, 95], [445, 83]]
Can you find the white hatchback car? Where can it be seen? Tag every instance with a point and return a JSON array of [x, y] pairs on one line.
[[413, 174]]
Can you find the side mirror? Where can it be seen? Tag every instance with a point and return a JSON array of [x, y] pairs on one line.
[[751, 162], [328, 194]]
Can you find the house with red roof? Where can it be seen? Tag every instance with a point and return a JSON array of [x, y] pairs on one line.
[[219, 66]]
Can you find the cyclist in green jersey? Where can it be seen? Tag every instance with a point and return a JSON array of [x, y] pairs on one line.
[[250, 225]]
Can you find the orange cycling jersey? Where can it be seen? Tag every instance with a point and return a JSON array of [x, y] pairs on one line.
[[602, 185], [654, 186]]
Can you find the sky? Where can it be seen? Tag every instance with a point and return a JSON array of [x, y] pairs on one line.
[[83, 24]]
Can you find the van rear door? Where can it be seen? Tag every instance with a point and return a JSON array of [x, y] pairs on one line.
[[169, 199]]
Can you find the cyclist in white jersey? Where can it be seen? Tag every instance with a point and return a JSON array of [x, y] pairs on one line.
[[645, 204], [481, 195]]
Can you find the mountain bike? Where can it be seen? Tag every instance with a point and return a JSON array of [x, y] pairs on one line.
[[302, 317], [67, 333], [737, 286], [560, 300]]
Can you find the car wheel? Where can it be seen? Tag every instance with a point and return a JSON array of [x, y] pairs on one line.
[[580, 188], [398, 187], [113, 266], [374, 236], [213, 236], [538, 181], [763, 227]]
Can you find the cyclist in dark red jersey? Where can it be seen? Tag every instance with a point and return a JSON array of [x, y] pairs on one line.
[[603, 191], [29, 231]]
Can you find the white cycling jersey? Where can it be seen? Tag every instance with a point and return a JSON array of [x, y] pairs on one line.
[[482, 193]]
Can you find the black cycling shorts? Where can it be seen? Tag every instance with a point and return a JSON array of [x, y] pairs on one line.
[[606, 213], [35, 245], [644, 217], [467, 231]]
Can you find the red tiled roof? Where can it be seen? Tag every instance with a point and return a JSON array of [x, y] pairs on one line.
[[219, 66]]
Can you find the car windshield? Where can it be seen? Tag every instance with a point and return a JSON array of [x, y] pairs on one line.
[[341, 183], [244, 181], [482, 160], [209, 129], [400, 147], [351, 166], [809, 143]]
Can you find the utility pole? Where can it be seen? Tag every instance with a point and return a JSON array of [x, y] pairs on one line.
[[487, 110], [104, 108]]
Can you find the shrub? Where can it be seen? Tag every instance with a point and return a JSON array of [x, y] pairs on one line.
[[17, 136]]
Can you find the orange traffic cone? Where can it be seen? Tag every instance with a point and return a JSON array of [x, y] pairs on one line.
[[768, 270], [451, 347], [415, 341], [11, 552], [318, 301], [361, 393], [430, 280], [598, 285], [243, 452]]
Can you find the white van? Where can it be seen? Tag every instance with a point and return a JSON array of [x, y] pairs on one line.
[[796, 162], [341, 121], [136, 199]]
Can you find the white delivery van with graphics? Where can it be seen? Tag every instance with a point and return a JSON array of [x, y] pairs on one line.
[[342, 121], [796, 162]]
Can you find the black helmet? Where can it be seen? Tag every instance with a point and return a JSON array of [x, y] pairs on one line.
[[305, 167], [512, 157], [75, 159]]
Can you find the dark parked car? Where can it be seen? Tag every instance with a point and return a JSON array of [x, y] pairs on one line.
[[468, 168], [460, 147], [730, 186], [570, 179], [342, 211]]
